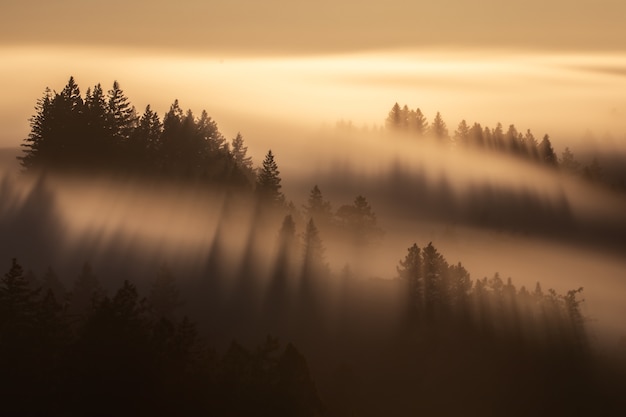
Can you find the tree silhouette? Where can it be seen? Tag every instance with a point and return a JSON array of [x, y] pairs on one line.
[[568, 163], [418, 123], [395, 119], [360, 222], [318, 208], [462, 133], [268, 181], [410, 270], [240, 154], [438, 128], [546, 152]]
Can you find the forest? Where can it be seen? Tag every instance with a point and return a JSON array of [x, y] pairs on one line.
[[216, 294]]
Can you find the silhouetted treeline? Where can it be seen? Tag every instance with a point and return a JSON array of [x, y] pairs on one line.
[[102, 132], [83, 353], [512, 142], [403, 345]]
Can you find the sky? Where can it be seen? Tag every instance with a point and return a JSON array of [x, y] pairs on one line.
[[306, 26], [321, 61]]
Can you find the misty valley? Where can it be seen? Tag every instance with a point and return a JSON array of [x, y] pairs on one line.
[[151, 267]]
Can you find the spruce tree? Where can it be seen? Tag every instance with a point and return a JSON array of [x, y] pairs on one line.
[[438, 129], [268, 181]]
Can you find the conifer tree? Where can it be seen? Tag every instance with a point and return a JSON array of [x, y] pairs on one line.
[[462, 133], [240, 153], [122, 114], [410, 270], [394, 119], [438, 129], [546, 152], [268, 181], [419, 124], [317, 208]]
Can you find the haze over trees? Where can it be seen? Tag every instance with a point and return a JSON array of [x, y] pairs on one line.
[[164, 328], [413, 124]]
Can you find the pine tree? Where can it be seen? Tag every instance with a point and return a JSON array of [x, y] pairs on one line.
[[240, 154], [476, 135], [35, 146], [512, 142], [410, 270], [394, 119], [313, 248], [462, 133], [317, 208], [568, 163], [210, 134], [268, 181], [438, 129], [66, 145], [419, 124], [359, 220], [122, 115], [546, 152], [17, 300], [530, 145]]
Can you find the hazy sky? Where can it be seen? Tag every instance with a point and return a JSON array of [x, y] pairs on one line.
[[304, 26], [536, 63]]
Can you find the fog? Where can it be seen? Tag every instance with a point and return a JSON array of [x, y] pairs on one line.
[[243, 273], [563, 94]]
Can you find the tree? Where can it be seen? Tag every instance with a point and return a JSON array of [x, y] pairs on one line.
[[568, 163], [240, 154], [314, 251], [99, 129], [546, 152], [394, 119], [497, 137], [435, 267], [17, 300], [410, 270], [268, 181], [360, 221], [438, 128], [418, 123], [64, 137], [511, 139], [317, 208], [530, 145], [122, 114], [35, 146], [145, 140], [462, 133], [476, 135]]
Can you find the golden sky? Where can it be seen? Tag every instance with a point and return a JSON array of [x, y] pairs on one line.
[[320, 26], [538, 64]]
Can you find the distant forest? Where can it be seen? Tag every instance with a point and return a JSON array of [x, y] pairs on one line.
[[519, 144], [428, 341], [103, 132]]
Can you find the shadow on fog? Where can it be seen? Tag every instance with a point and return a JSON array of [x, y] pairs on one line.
[[245, 271]]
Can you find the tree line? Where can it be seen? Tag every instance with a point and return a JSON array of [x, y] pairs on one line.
[[82, 352], [103, 132], [513, 142]]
